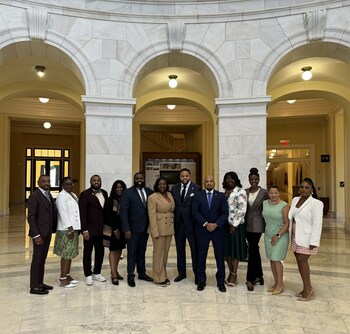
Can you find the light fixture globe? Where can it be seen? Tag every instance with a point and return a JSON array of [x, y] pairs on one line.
[[172, 81], [44, 99], [171, 106], [40, 70], [307, 74], [47, 125], [291, 101]]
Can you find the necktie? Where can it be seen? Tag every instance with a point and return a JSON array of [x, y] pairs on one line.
[[209, 199], [183, 192], [47, 196], [143, 198]]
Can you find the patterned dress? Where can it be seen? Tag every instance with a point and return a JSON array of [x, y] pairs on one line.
[[235, 244]]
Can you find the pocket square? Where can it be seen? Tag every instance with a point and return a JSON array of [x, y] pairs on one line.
[[192, 195]]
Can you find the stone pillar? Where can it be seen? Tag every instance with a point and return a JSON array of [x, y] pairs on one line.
[[347, 169], [4, 164], [242, 136], [109, 139]]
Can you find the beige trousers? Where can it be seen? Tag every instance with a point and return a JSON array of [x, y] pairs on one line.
[[161, 247]]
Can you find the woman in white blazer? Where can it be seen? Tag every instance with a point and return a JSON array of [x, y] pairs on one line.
[[68, 229], [305, 217]]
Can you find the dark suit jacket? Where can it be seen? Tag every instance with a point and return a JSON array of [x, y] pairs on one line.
[[42, 216], [218, 212], [133, 213], [183, 211], [91, 212], [253, 218]]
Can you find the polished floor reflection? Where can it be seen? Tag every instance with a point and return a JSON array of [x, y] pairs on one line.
[[178, 308]]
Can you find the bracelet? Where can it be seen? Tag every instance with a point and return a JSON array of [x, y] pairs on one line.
[[278, 235], [117, 230]]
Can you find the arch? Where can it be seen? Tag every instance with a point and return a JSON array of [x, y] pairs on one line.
[[56, 48], [203, 61]]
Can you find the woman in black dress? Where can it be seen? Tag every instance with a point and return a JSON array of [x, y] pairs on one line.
[[112, 218]]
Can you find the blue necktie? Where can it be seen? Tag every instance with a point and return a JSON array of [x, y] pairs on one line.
[[209, 199]]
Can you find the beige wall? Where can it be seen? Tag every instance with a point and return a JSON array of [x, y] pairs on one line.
[[339, 165], [305, 131], [19, 141]]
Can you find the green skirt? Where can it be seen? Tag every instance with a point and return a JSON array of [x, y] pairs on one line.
[[65, 247], [235, 245]]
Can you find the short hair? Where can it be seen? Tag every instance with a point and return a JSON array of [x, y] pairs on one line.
[[185, 170], [137, 173], [95, 175], [156, 184], [234, 176]]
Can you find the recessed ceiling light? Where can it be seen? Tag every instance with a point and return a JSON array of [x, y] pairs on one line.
[[44, 99], [47, 125], [171, 106]]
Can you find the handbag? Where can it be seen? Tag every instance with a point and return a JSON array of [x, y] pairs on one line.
[[106, 235]]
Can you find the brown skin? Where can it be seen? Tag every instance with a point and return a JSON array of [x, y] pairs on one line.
[[305, 191], [254, 183], [95, 182], [185, 177]]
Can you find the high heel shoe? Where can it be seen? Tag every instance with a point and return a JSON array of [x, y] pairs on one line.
[[250, 286], [277, 291], [310, 296], [259, 280], [271, 289], [231, 279], [299, 294]]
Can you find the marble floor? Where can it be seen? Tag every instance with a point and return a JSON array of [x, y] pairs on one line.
[[178, 308]]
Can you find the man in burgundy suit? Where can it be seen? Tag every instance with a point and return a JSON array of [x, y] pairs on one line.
[[42, 220], [91, 203]]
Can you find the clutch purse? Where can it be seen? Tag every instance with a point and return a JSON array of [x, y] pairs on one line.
[[106, 235]]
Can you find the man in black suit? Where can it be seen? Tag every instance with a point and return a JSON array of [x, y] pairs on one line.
[[42, 219], [184, 224], [210, 211], [135, 221], [91, 203]]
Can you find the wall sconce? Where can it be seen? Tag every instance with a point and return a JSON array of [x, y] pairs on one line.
[[40, 70], [307, 74], [44, 99], [47, 125], [172, 81], [284, 142], [171, 106], [291, 101]]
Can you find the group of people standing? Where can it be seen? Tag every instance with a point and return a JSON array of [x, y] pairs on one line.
[[231, 220]]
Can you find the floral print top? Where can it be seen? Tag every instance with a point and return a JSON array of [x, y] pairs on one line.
[[237, 206]]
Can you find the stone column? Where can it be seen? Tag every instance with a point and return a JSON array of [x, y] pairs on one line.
[[4, 164], [108, 139], [242, 136]]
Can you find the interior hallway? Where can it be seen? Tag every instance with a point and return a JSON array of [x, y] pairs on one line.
[[178, 308]]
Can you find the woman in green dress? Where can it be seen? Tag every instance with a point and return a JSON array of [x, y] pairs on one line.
[[275, 213]]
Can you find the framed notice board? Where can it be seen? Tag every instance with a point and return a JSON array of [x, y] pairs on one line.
[[168, 165]]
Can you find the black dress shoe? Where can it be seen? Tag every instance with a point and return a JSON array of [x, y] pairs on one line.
[[222, 287], [201, 286], [145, 277], [179, 277], [131, 282], [45, 286], [38, 291], [196, 281]]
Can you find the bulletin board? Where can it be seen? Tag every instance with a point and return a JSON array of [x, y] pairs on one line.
[[168, 165]]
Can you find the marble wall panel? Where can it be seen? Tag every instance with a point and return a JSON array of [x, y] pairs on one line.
[[60, 24], [226, 52], [156, 32], [81, 32], [242, 87], [109, 30], [231, 144], [110, 6], [13, 18], [137, 37], [242, 30], [99, 164], [208, 8], [196, 32], [242, 49], [120, 144], [93, 50], [338, 18], [214, 36], [117, 69], [97, 144], [98, 125], [291, 25], [109, 49]]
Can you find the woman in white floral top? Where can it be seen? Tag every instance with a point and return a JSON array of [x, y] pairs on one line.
[[235, 244]]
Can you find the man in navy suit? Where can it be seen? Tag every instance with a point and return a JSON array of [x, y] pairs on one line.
[[210, 210], [91, 203], [135, 221], [42, 220], [184, 224]]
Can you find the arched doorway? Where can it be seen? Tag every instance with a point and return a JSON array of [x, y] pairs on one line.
[[191, 125], [22, 117]]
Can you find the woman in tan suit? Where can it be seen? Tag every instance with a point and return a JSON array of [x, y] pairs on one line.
[[161, 227]]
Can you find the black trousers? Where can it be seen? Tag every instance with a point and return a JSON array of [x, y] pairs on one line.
[[37, 268], [254, 270], [136, 253], [181, 234], [95, 242]]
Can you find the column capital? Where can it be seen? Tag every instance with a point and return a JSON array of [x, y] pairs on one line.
[[242, 107]]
